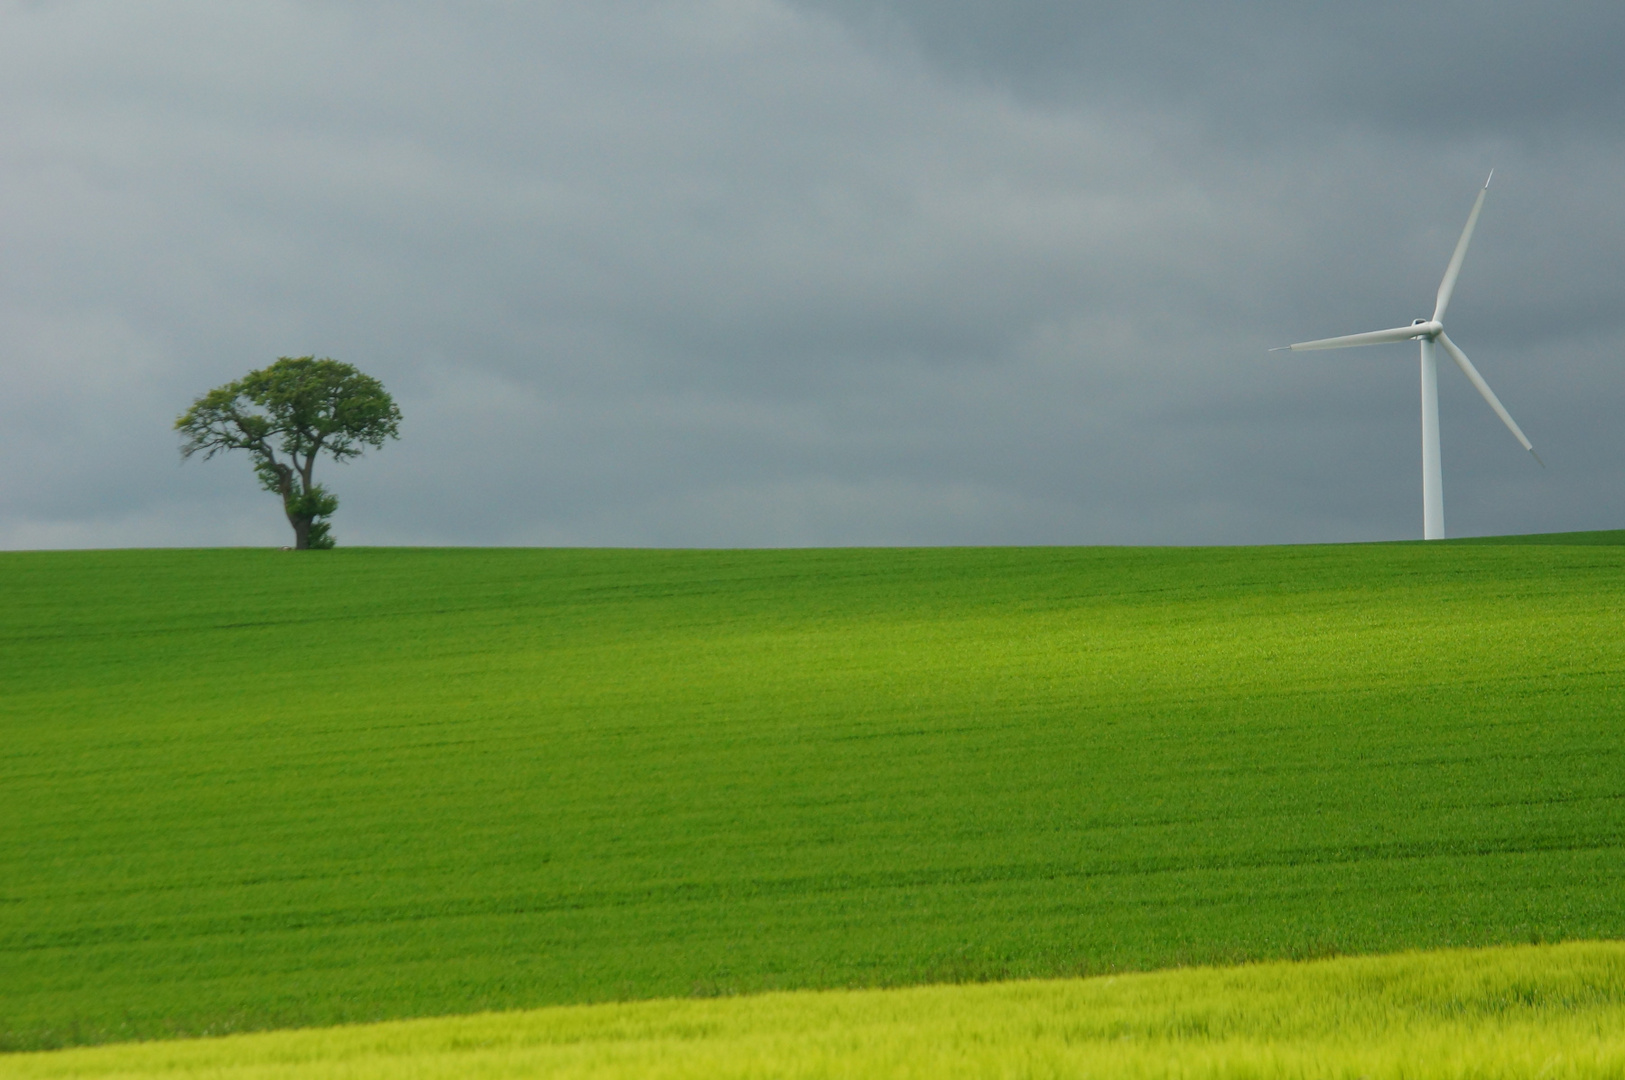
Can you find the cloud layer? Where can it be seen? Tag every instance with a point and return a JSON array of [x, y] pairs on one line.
[[751, 272]]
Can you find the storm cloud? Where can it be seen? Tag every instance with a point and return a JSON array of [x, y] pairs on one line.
[[756, 272]]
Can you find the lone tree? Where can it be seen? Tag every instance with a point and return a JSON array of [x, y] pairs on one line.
[[297, 408]]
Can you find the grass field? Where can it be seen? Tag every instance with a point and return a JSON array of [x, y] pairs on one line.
[[254, 789], [1548, 1012]]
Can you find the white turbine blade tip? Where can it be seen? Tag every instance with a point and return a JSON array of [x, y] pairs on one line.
[[1282, 348], [1487, 182], [1536, 456]]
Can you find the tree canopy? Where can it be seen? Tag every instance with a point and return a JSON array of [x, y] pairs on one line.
[[285, 416]]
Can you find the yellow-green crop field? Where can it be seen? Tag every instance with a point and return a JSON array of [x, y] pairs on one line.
[[252, 790], [1554, 1011]]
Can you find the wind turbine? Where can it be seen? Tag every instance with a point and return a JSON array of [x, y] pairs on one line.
[[1430, 332]]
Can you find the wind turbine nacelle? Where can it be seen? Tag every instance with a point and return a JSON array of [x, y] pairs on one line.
[[1428, 328]]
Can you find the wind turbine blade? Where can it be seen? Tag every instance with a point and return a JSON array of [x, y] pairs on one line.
[[1448, 285], [1477, 380], [1375, 337]]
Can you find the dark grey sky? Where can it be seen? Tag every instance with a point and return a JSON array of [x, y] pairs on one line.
[[824, 272]]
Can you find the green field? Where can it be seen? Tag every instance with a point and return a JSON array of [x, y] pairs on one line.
[[1551, 1012], [254, 789]]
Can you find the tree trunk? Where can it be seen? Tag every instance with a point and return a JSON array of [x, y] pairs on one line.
[[300, 522]]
